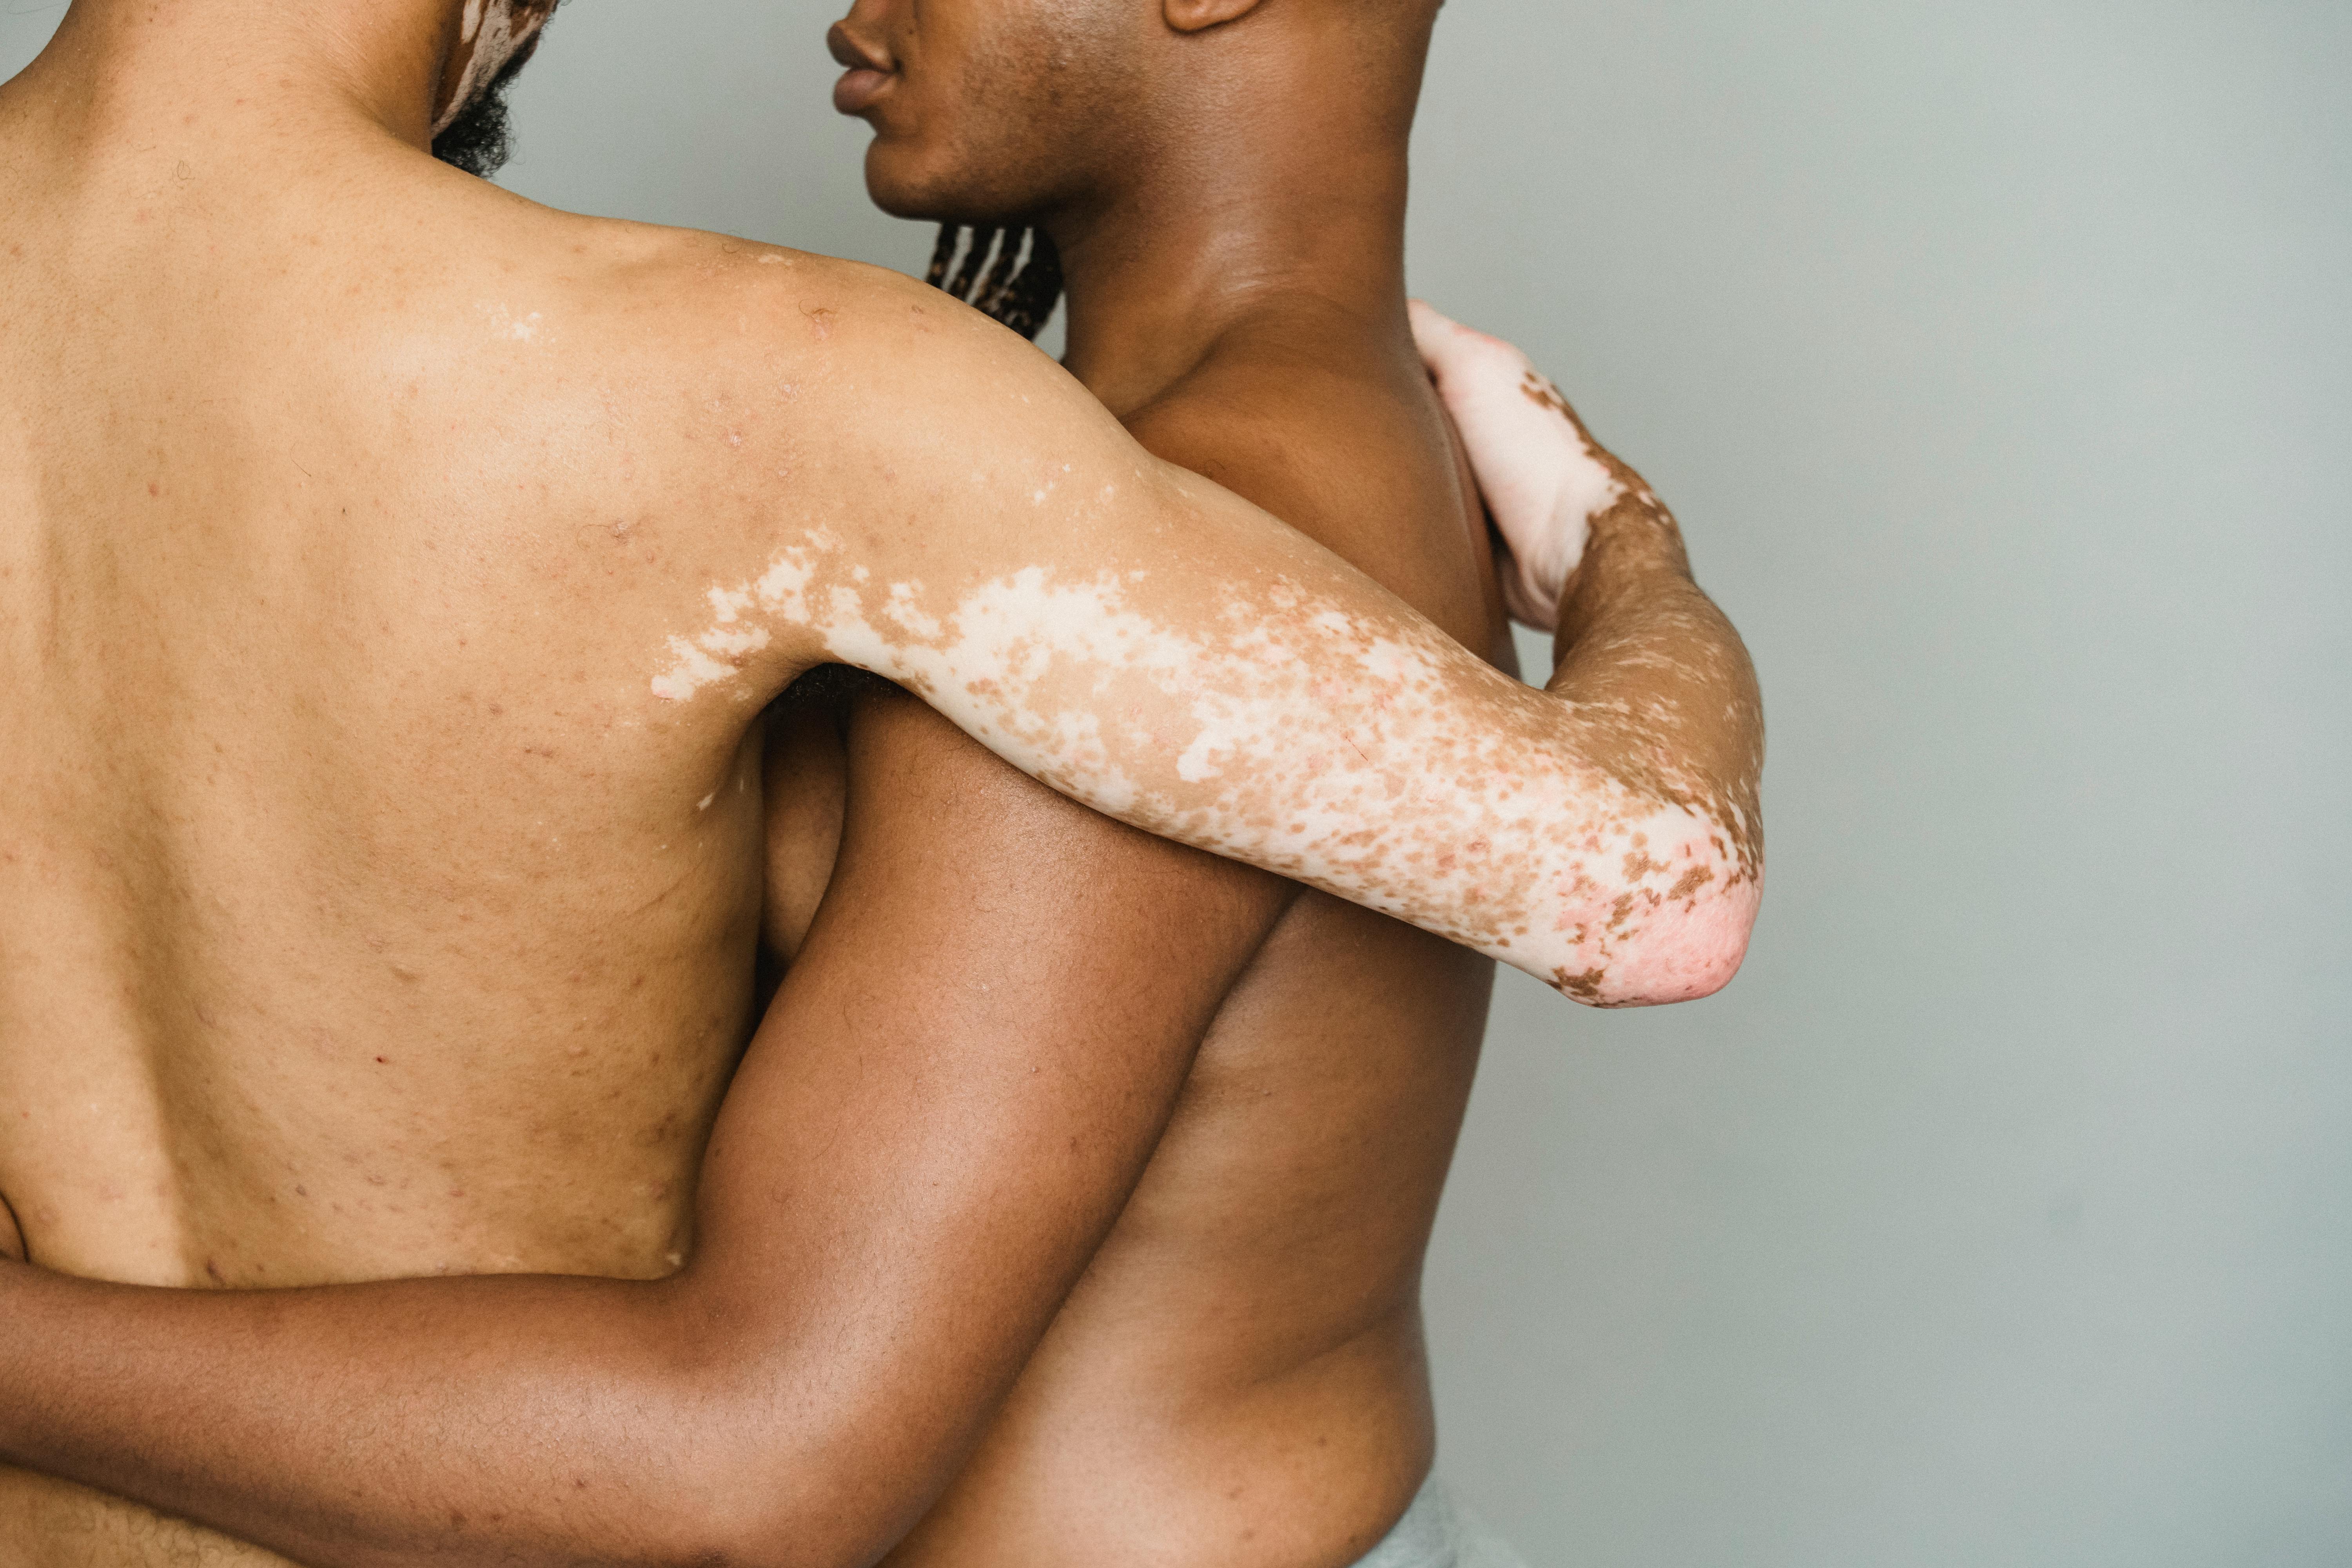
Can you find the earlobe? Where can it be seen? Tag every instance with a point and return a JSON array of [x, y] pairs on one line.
[[1199, 15]]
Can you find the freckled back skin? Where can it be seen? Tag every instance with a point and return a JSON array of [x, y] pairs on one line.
[[1240, 1377], [356, 915]]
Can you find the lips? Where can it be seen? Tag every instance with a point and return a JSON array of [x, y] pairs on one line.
[[870, 71], [855, 91]]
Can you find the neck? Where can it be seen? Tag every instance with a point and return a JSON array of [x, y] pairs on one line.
[[1196, 244], [197, 63]]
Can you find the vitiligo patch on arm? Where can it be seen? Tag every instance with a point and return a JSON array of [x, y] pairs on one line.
[[1348, 745]]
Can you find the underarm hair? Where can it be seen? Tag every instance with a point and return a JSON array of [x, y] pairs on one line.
[[1020, 289]]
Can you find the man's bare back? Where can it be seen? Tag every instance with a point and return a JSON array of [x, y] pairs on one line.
[[380, 867], [388, 923]]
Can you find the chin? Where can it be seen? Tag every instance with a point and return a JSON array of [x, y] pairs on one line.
[[895, 183], [905, 183]]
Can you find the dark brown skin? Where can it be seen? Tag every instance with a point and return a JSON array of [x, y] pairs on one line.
[[1020, 1053], [1240, 1378]]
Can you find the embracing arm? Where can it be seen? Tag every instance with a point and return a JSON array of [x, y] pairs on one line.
[[960, 1081], [1156, 647]]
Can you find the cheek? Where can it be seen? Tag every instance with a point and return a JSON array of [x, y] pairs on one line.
[[923, 131]]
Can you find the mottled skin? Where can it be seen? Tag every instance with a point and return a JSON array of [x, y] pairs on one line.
[[373, 903]]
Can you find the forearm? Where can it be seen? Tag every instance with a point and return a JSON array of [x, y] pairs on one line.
[[378, 1423], [1665, 700], [1641, 649]]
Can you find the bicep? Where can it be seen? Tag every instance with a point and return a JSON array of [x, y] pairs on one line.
[[961, 1078]]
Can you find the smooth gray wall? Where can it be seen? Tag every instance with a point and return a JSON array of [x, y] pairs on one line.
[[1998, 359]]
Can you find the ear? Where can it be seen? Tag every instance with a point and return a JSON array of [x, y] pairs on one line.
[[1199, 15]]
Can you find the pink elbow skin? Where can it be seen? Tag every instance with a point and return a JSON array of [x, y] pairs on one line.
[[1692, 954]]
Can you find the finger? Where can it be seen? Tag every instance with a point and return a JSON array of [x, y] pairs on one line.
[[1445, 345]]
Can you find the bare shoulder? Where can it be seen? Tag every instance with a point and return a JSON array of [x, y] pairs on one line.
[[1313, 423], [1330, 430], [693, 336], [768, 327], [757, 367], [719, 407]]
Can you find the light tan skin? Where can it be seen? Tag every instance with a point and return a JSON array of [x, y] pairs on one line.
[[392, 921]]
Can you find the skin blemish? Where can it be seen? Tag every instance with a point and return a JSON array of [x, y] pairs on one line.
[[506, 324]]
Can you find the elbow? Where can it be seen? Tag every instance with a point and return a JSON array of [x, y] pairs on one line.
[[1677, 950], [748, 1491], [1684, 968], [723, 1470]]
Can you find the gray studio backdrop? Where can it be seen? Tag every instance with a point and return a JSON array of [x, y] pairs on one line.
[[1998, 359]]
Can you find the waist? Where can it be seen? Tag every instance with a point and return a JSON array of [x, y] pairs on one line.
[[1099, 1457]]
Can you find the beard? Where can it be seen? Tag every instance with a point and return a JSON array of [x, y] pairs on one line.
[[481, 138]]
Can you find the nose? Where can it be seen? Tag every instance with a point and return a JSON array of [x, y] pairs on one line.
[[853, 52]]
